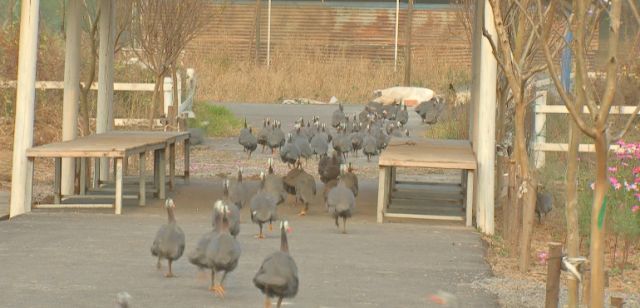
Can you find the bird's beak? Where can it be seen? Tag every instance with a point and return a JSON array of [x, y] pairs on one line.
[[289, 230]]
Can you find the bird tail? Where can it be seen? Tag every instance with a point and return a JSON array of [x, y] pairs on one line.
[[270, 280]]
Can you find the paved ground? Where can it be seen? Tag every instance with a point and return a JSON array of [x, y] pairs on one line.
[[83, 258], [4, 204]]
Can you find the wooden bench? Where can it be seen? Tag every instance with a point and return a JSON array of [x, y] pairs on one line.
[[119, 146], [430, 153]]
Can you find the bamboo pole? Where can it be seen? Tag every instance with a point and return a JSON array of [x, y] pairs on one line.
[[104, 117], [71, 90], [553, 275], [25, 109]]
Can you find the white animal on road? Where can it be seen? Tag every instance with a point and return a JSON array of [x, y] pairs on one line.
[[400, 94]]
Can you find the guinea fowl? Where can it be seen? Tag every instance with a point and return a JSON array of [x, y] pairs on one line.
[[342, 143], [369, 145], [275, 139], [305, 189], [278, 274], [430, 110], [290, 153], [274, 184], [247, 139], [233, 212], [169, 241], [263, 206], [544, 204], [402, 115], [341, 202], [239, 191], [264, 133], [289, 180], [320, 143], [223, 252], [357, 139], [198, 256], [329, 167], [338, 116], [123, 299], [301, 141], [349, 178]]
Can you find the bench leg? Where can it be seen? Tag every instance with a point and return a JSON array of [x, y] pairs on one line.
[[172, 165], [392, 181], [156, 170], [162, 168], [118, 176], [96, 173], [469, 197], [57, 179], [142, 198], [187, 162], [383, 192], [28, 196], [83, 176]]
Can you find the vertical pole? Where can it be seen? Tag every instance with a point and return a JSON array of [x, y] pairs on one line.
[[469, 198], [25, 109], [407, 47], [486, 128], [57, 174], [187, 161], [104, 117], [476, 58], [539, 130], [553, 275], [118, 164], [395, 45], [142, 165], [257, 31], [168, 95], [71, 89], [269, 34]]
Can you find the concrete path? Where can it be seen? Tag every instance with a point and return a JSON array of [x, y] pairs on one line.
[[4, 205], [78, 258]]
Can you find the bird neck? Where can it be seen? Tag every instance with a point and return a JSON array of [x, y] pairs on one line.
[[171, 215], [284, 244]]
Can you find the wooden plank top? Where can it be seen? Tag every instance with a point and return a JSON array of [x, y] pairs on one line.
[[111, 144], [429, 153]]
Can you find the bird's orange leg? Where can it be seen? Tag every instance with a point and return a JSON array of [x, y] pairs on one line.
[[170, 273]]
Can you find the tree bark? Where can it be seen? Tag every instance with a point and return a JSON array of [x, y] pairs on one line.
[[173, 112], [407, 50], [154, 99], [596, 252]]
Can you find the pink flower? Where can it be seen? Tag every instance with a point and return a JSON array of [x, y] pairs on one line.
[[614, 182], [635, 209], [543, 256], [636, 170], [637, 196], [612, 169]]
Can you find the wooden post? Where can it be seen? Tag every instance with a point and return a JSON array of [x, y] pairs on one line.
[[104, 116], [156, 171], [24, 117], [142, 162], [586, 285], [57, 177], [513, 230], [118, 205], [407, 46], [469, 198], [83, 176], [553, 275], [395, 45], [162, 168], [269, 34], [168, 95], [485, 143], [71, 89], [383, 192], [172, 165], [540, 134], [187, 161], [257, 31]]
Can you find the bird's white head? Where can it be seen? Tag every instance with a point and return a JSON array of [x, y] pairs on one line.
[[169, 203], [285, 225]]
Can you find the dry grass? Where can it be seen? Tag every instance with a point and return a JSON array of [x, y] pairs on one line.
[[225, 78]]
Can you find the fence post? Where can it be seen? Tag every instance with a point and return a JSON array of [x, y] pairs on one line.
[[540, 131], [179, 81], [168, 94], [553, 275]]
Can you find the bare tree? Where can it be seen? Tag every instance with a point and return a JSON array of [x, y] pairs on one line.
[[91, 18], [161, 31], [595, 125], [514, 48]]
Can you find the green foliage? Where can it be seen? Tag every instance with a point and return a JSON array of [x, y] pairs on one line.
[[216, 121]]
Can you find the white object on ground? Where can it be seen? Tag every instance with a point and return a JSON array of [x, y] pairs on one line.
[[400, 94]]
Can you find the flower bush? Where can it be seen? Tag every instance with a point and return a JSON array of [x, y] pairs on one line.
[[623, 199]]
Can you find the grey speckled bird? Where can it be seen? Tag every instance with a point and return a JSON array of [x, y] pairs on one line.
[[278, 274], [341, 203], [223, 253], [169, 242], [263, 207]]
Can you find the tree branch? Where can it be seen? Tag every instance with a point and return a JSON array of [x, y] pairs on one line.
[[494, 48], [612, 63], [627, 125]]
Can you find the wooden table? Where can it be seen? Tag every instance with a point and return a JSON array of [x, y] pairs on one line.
[[119, 146], [429, 153]]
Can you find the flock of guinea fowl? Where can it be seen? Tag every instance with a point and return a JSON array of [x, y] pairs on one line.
[[219, 251]]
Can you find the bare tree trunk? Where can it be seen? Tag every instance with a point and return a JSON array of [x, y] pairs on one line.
[[596, 253], [173, 112], [257, 31], [571, 210], [407, 50], [527, 188], [157, 88]]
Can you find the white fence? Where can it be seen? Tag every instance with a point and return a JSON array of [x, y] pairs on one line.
[[541, 109], [119, 86]]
